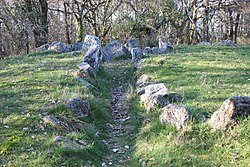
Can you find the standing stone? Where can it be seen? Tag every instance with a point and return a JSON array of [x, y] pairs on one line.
[[92, 40], [112, 50], [132, 43], [231, 109], [136, 54], [93, 57], [175, 115], [79, 107]]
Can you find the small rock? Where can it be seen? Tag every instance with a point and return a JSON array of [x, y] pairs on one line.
[[25, 128], [51, 120], [78, 106], [175, 115], [127, 147], [147, 51], [110, 163], [136, 54], [86, 83], [132, 43], [115, 150]]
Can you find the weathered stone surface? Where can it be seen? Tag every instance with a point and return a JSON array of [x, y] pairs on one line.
[[75, 53], [42, 48], [112, 50], [132, 43], [136, 54], [93, 57], [85, 83], [228, 43], [92, 40], [69, 143], [165, 46], [159, 100], [85, 70], [142, 79], [153, 90], [155, 50], [138, 65], [140, 89], [60, 47], [175, 115], [204, 43], [77, 46], [78, 106], [85, 47], [233, 107], [51, 120], [147, 51]]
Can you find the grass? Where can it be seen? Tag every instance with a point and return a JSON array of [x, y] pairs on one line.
[[39, 84], [204, 77]]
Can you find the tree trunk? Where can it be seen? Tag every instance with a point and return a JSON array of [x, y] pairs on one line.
[[44, 22], [66, 23], [236, 27], [205, 22], [231, 31], [79, 29]]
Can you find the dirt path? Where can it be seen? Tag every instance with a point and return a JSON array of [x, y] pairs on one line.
[[119, 126]]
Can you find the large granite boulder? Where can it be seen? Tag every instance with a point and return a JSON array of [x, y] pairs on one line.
[[78, 106], [60, 47], [175, 115], [132, 43], [136, 54], [112, 50], [231, 109]]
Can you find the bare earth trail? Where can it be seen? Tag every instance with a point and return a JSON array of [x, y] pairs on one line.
[[120, 127]]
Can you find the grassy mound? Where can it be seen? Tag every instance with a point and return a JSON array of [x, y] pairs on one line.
[[39, 84], [203, 76]]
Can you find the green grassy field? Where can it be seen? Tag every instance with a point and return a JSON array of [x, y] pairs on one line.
[[203, 77], [39, 84]]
